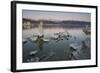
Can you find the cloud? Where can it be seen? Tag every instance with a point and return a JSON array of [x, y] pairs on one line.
[[52, 15]]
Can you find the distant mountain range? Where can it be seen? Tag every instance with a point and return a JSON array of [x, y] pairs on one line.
[[55, 23]]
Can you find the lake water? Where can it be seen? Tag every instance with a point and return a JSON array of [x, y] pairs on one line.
[[54, 50]]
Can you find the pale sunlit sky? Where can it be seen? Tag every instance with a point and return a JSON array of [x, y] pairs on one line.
[[51, 15]]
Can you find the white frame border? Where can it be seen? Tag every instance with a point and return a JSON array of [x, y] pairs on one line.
[[38, 65]]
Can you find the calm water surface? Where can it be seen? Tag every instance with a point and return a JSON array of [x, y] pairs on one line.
[[60, 49]]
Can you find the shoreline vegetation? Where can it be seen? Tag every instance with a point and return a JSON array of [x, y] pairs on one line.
[[28, 23]]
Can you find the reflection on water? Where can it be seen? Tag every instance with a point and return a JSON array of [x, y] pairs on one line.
[[55, 44]]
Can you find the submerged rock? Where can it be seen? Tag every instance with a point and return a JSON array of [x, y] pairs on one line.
[[35, 59], [49, 56], [75, 51], [75, 46], [24, 41], [32, 53]]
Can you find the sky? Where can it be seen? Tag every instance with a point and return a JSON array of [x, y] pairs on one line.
[[54, 15]]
